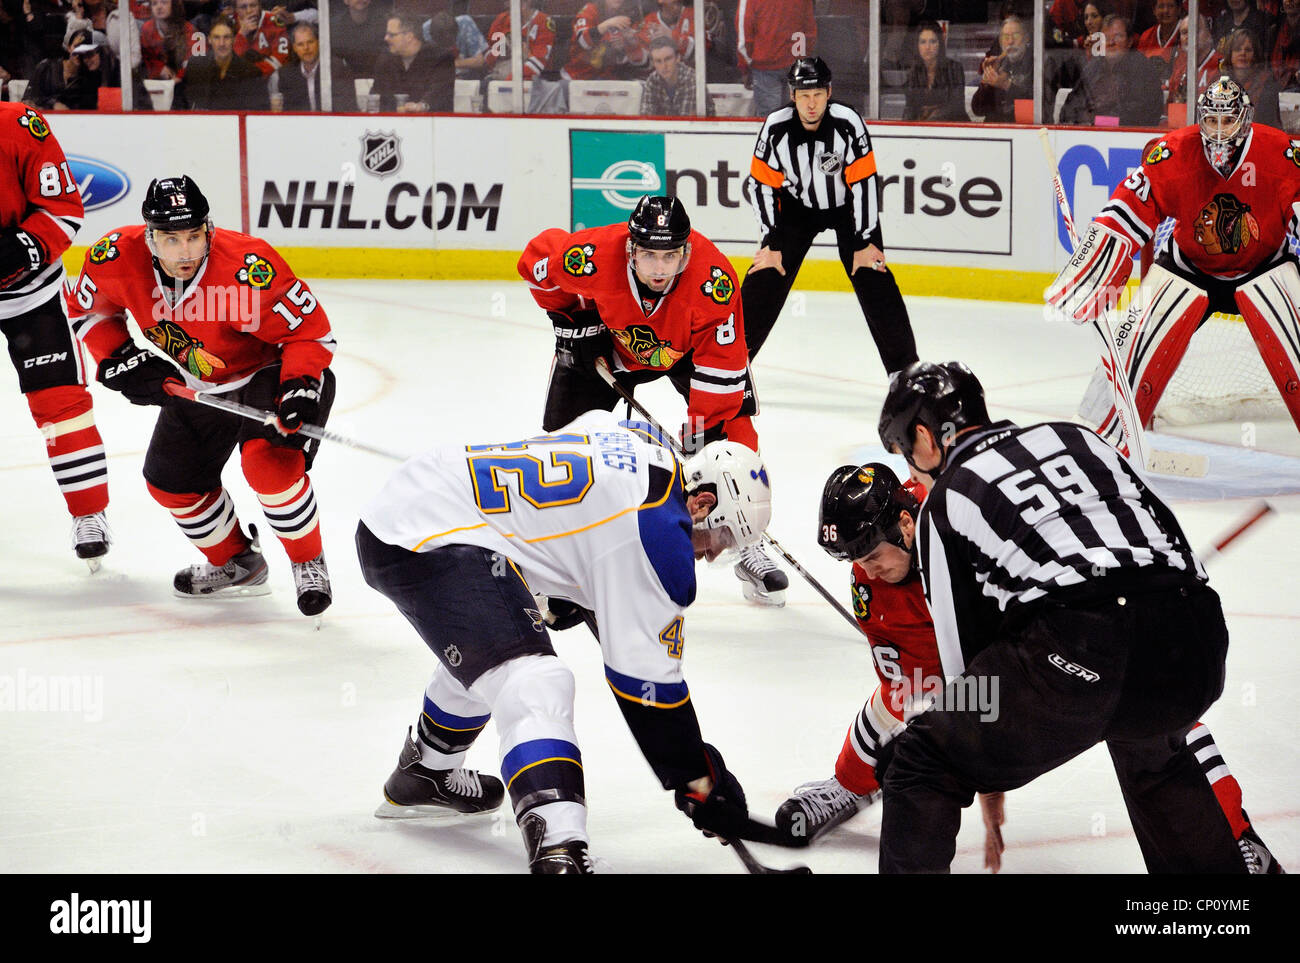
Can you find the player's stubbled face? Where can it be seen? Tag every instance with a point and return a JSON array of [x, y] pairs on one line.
[[181, 252], [656, 269], [811, 105], [886, 562]]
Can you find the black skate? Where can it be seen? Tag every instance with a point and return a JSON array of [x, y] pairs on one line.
[[561, 859], [762, 581], [413, 791], [312, 580], [91, 537], [818, 807], [244, 575], [1259, 859]]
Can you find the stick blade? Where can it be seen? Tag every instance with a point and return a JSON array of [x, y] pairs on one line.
[[1180, 464]]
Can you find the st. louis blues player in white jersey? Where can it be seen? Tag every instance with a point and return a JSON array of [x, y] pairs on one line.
[[600, 514]]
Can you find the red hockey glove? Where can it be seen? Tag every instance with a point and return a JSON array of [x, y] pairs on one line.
[[723, 810]]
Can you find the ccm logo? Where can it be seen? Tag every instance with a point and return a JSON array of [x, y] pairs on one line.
[[1069, 668], [45, 359], [588, 332]]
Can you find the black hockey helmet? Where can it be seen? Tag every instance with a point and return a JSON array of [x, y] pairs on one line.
[[659, 223], [174, 204], [808, 73], [860, 509], [945, 397]]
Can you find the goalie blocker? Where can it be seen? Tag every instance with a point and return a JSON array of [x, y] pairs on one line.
[[1093, 280]]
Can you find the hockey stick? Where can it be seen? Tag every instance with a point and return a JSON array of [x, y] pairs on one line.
[[1161, 462], [761, 869], [1257, 513], [268, 417], [602, 368]]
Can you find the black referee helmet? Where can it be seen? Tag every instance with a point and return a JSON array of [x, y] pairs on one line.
[[860, 509], [808, 73], [946, 398]]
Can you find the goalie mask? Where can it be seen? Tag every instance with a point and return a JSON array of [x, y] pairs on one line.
[[736, 476], [1224, 113], [174, 206], [658, 243]]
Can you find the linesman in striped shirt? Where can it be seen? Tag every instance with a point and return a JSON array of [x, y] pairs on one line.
[[1064, 587], [813, 170]]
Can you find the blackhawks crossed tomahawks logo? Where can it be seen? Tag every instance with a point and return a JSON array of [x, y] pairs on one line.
[[578, 260], [105, 249], [35, 124], [257, 272], [719, 286]]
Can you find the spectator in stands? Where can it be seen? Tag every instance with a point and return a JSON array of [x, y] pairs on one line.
[[167, 41], [1207, 63], [1006, 78], [1243, 63], [605, 43], [537, 33], [103, 17], [73, 82], [1162, 39], [1072, 24], [1286, 47], [1123, 84], [218, 80], [299, 80], [670, 89], [720, 56], [671, 20], [936, 85], [423, 74], [262, 39], [770, 35], [357, 33], [470, 44], [1240, 15]]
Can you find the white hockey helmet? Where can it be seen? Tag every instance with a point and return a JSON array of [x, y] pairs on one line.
[[1224, 113], [736, 476]]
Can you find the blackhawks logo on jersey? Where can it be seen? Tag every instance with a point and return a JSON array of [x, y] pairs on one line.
[[862, 600], [578, 260], [1293, 153], [257, 272], [642, 343], [35, 124], [719, 286], [172, 338], [1158, 152], [105, 249], [1225, 225]]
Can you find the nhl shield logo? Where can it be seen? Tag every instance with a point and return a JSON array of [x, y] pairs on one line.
[[829, 163], [453, 655], [381, 152]]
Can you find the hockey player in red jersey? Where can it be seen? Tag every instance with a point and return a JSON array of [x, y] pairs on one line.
[[40, 214], [1233, 188], [537, 33], [229, 316], [261, 40], [652, 297], [868, 517]]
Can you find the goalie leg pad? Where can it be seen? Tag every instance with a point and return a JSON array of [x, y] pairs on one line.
[[1270, 305], [1091, 283]]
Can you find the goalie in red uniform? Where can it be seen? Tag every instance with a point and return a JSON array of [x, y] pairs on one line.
[[868, 517], [653, 298], [226, 315], [40, 214], [1233, 188]]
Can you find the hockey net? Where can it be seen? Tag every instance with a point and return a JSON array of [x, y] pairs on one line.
[[1221, 377]]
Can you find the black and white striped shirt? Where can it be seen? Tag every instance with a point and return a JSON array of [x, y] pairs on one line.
[[1045, 512], [824, 169]]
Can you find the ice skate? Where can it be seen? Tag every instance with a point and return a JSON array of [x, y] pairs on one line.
[[569, 858], [1259, 859], [761, 580], [243, 575], [818, 807], [413, 790], [312, 580], [91, 537]]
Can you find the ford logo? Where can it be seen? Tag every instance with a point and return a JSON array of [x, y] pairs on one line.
[[101, 184]]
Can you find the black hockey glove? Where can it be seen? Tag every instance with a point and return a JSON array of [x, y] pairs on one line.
[[693, 441], [299, 403], [580, 338], [21, 254], [562, 614], [723, 812], [137, 373]]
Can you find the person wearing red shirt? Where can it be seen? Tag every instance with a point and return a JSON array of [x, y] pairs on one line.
[[537, 34], [261, 39], [771, 34], [226, 316], [167, 41], [1161, 40], [671, 20]]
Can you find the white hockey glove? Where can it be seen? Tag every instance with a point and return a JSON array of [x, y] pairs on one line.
[[1091, 284]]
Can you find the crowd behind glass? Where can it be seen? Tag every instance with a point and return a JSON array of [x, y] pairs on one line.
[[1097, 62]]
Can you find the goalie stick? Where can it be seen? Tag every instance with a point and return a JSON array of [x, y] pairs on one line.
[[602, 368], [268, 417], [1160, 462], [1256, 513]]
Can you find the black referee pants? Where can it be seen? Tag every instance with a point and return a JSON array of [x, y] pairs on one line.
[[763, 293], [1135, 674]]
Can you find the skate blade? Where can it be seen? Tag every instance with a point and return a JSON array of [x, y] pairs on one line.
[[317, 622], [391, 810], [771, 599], [234, 592], [94, 564]]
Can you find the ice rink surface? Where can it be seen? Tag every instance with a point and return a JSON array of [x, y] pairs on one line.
[[229, 737]]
